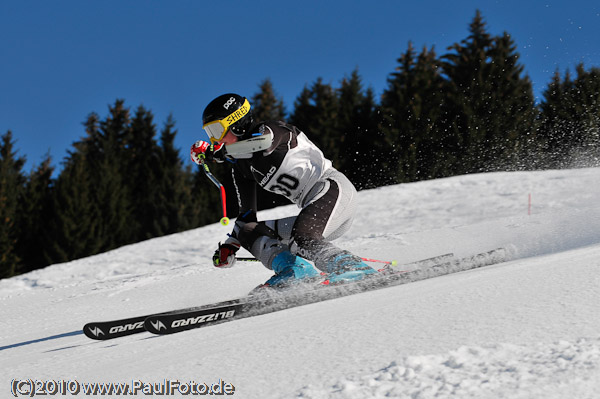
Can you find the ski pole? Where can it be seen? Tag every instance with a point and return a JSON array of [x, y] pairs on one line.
[[224, 220], [387, 262]]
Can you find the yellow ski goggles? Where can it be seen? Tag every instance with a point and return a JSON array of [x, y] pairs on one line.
[[216, 130]]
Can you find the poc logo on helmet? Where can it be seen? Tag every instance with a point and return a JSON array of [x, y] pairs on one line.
[[228, 103]]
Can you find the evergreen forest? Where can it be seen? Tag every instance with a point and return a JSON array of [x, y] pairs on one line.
[[470, 109]]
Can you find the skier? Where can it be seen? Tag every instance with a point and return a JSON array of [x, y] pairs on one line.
[[279, 158]]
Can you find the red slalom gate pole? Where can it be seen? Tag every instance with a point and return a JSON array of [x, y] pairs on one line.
[[224, 220]]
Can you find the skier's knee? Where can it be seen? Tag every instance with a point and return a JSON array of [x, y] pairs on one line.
[[252, 231]]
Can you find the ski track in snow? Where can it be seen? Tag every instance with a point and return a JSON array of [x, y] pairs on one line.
[[526, 328]]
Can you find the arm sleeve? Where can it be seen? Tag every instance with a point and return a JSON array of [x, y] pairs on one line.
[[245, 191]]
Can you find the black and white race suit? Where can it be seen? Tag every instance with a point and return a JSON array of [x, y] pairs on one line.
[[294, 167]]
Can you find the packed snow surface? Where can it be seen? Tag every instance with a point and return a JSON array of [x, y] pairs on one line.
[[525, 328]]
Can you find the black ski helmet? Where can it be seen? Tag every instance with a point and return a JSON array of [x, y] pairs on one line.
[[228, 111]]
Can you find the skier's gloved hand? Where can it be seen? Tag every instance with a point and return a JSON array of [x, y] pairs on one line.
[[197, 151], [203, 150], [216, 153], [225, 255]]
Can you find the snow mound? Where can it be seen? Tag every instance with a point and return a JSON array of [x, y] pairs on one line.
[[558, 370]]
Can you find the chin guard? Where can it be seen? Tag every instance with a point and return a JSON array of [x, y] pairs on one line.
[[249, 146]]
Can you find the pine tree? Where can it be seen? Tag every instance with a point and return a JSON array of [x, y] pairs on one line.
[[93, 209], [490, 104], [108, 166], [75, 225], [570, 118], [176, 206], [34, 208], [467, 72], [266, 105], [359, 158], [414, 119], [587, 99], [142, 159], [513, 123], [554, 114], [394, 114], [315, 113], [12, 181]]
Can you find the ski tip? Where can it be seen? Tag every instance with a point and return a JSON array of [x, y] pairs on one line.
[[394, 263]]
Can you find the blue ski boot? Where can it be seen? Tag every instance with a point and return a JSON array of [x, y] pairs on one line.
[[347, 267], [288, 269]]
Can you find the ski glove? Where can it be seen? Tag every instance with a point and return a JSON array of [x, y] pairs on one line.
[[203, 150], [225, 256]]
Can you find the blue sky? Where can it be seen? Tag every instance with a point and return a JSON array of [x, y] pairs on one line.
[[61, 60]]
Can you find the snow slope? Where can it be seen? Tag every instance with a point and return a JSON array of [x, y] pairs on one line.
[[526, 328]]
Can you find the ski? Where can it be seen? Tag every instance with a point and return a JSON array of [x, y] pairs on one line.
[[104, 330], [272, 300]]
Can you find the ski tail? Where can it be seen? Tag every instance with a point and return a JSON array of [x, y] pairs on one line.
[[104, 330]]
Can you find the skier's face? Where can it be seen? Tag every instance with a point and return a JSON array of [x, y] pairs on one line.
[[229, 138]]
